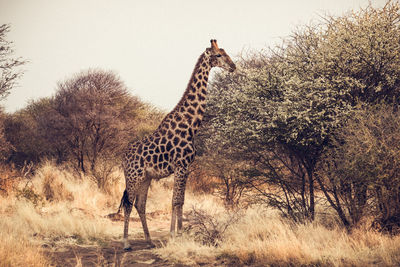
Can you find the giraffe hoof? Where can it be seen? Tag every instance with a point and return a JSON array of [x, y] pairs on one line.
[[128, 249], [172, 235]]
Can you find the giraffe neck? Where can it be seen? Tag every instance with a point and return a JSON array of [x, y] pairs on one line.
[[191, 107]]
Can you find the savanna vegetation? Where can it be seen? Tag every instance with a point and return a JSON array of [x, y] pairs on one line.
[[298, 157]]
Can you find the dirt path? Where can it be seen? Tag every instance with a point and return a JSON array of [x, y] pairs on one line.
[[109, 254]]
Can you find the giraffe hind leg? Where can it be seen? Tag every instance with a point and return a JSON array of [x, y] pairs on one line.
[[140, 205], [127, 204], [124, 201]]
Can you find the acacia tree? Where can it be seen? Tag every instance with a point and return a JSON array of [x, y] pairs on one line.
[[275, 128], [90, 108], [92, 117], [8, 73], [39, 132], [8, 78], [281, 111]]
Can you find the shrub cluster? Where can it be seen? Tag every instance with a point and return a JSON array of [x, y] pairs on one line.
[[87, 124], [290, 116]]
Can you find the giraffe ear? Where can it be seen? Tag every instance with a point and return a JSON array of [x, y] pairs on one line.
[[214, 44]]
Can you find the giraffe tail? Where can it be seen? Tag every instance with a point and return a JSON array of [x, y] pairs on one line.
[[124, 201]]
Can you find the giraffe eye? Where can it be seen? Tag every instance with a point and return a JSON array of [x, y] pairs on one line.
[[219, 55]]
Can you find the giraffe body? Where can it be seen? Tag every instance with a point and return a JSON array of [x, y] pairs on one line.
[[170, 149]]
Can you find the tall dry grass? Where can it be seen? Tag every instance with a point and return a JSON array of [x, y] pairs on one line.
[[273, 240], [57, 207], [56, 203], [261, 237], [19, 251], [53, 208]]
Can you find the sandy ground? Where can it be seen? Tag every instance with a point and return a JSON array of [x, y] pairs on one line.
[[110, 254]]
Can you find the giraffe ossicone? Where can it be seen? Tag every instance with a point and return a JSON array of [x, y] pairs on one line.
[[170, 149]]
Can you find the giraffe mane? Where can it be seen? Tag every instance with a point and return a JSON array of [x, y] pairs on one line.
[[182, 100]]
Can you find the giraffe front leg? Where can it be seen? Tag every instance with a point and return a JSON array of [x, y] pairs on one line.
[[178, 199], [179, 212], [173, 221]]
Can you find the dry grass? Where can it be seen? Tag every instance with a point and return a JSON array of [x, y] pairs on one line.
[[272, 240], [57, 207], [54, 207], [7, 178], [18, 251], [262, 237], [55, 204]]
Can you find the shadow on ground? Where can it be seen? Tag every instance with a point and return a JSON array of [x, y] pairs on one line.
[[109, 254]]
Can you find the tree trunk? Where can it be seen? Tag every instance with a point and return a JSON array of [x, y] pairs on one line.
[[336, 206], [312, 200]]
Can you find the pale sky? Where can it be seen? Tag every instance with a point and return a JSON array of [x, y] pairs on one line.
[[152, 45]]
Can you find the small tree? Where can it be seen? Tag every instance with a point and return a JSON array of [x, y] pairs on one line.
[[8, 65], [8, 78], [27, 138], [89, 122], [92, 116]]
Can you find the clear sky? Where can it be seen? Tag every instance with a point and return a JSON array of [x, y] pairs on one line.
[[152, 45]]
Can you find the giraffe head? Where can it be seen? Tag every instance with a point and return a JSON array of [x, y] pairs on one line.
[[219, 58]]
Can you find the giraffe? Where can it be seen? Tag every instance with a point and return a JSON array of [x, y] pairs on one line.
[[170, 149]]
